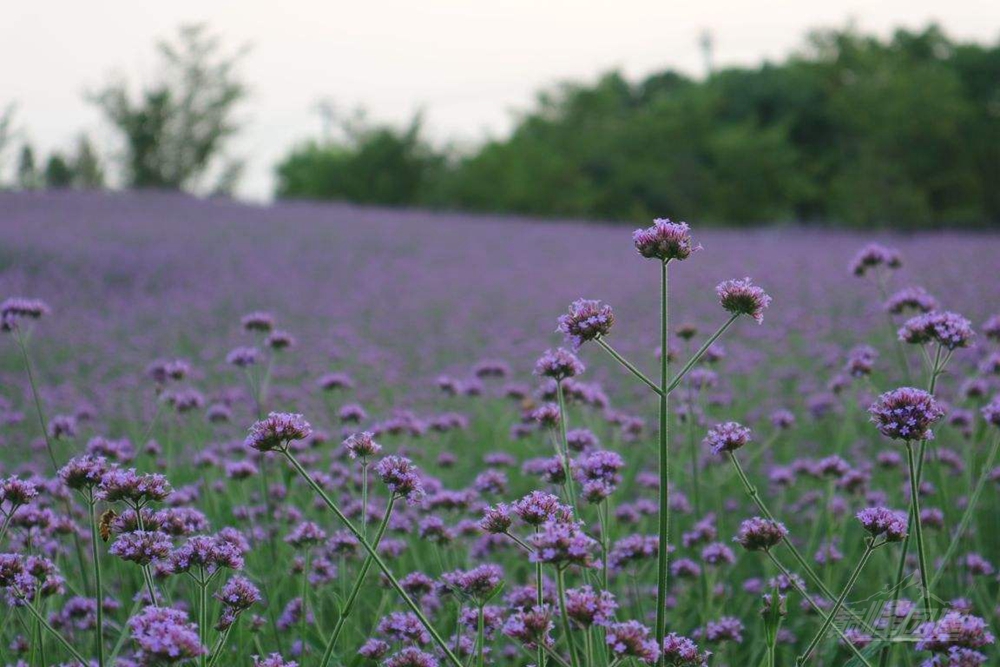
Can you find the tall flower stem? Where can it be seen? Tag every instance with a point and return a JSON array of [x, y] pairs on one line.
[[819, 610], [39, 410], [97, 576], [356, 589], [55, 633], [202, 615], [970, 510], [481, 638], [564, 446], [393, 581], [662, 566], [870, 547], [751, 491], [146, 575], [567, 630], [918, 528], [628, 365], [539, 600], [667, 388]]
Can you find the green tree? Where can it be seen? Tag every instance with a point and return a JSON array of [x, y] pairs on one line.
[[177, 129]]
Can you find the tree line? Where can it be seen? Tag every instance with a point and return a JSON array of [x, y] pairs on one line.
[[851, 130]]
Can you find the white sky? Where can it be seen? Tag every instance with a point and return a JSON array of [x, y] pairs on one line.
[[468, 63]]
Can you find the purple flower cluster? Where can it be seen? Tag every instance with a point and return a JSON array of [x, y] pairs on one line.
[[874, 256], [759, 534], [947, 329], [401, 476], [881, 521], [727, 437], [587, 319], [665, 240], [906, 414], [559, 364], [276, 431], [742, 297], [630, 639], [165, 636]]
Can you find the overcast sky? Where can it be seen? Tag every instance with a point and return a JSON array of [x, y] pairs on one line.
[[467, 63]]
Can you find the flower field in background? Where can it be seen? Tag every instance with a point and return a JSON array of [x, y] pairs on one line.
[[327, 435]]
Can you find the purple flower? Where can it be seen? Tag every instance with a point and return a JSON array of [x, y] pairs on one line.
[[209, 552], [412, 657], [665, 240], [258, 321], [954, 629], [165, 636], [680, 651], [873, 256], [861, 360], [631, 639], [538, 507], [741, 297], [906, 414], [129, 486], [991, 328], [882, 521], [276, 431], [759, 534], [16, 308], [17, 491], [727, 437], [400, 475], [273, 660], [947, 329], [142, 546], [478, 584], [559, 364], [374, 649], [496, 520], [911, 298], [562, 543], [242, 357], [333, 381], [991, 411], [531, 627], [84, 472], [587, 319], [279, 340], [404, 626], [587, 607], [306, 534], [362, 446]]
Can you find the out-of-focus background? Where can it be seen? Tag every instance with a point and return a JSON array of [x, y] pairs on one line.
[[838, 113]]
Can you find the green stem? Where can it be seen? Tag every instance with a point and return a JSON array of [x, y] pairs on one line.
[[698, 355], [662, 569], [963, 525], [38, 400], [917, 525], [564, 446], [202, 615], [564, 616], [356, 589], [97, 577], [62, 640], [812, 603], [452, 658], [481, 638], [222, 645], [628, 365], [869, 548]]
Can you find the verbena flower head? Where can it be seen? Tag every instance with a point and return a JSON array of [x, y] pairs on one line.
[[306, 534], [531, 627], [954, 629], [882, 521], [861, 361], [276, 431], [873, 256], [538, 507], [950, 330], [258, 321], [665, 240], [279, 340], [84, 472], [478, 584], [401, 476], [412, 657], [165, 636], [587, 319], [906, 414], [562, 543], [587, 607], [911, 299], [742, 297], [362, 446], [559, 364], [17, 491], [142, 546], [727, 437], [243, 357], [17, 308], [758, 534], [991, 411], [496, 520], [131, 487], [208, 552], [273, 660], [631, 639], [991, 328], [680, 651], [239, 594]]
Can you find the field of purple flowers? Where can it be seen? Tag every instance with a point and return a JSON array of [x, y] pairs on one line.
[[327, 435]]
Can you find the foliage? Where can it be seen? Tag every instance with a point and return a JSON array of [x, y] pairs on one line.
[[177, 128], [853, 129]]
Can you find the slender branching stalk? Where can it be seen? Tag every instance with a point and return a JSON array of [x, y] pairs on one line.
[[393, 581], [95, 553], [564, 616], [628, 365], [663, 556]]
